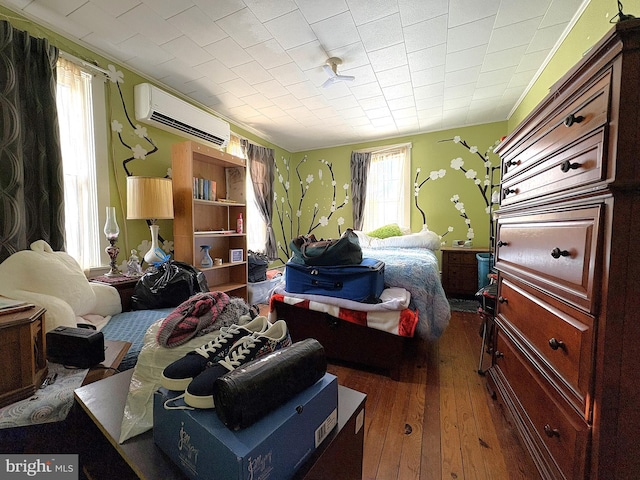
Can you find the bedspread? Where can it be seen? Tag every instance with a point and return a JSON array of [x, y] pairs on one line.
[[417, 270], [398, 322]]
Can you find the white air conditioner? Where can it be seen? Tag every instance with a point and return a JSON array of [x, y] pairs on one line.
[[163, 110]]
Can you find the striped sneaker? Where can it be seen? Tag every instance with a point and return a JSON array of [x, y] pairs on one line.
[[179, 374], [199, 393]]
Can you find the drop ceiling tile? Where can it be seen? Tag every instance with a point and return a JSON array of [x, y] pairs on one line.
[[503, 58], [239, 87], [243, 111], [370, 103], [394, 76], [365, 11], [61, 7], [272, 111], [531, 61], [428, 76], [271, 89], [287, 102], [428, 91], [326, 113], [345, 102], [398, 91], [412, 11], [316, 102], [142, 47], [459, 91], [514, 35], [353, 55], [302, 90], [288, 74], [489, 92], [228, 52], [215, 71], [107, 48], [351, 113], [217, 9], [116, 7], [187, 50], [515, 11], [335, 91], [291, 30], [456, 103], [469, 35], [228, 100], [315, 11], [266, 11], [146, 22], [462, 77], [100, 22], [560, 12], [462, 59], [252, 73], [427, 58], [166, 8], [336, 31], [269, 54], [521, 79], [409, 112], [468, 11], [495, 77], [381, 33], [307, 56], [52, 17], [195, 24], [426, 34], [366, 91], [378, 113], [390, 57], [244, 28], [205, 85], [430, 103], [363, 74], [545, 38]]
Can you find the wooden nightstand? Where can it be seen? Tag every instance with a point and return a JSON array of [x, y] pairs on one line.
[[460, 270], [123, 284]]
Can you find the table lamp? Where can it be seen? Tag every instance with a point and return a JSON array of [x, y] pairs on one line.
[[151, 199]]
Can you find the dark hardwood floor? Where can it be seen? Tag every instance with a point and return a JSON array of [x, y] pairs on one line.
[[439, 420]]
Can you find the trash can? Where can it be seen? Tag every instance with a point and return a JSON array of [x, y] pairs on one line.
[[485, 262]]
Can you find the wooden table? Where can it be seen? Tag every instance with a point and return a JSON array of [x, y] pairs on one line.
[[114, 352], [103, 402]]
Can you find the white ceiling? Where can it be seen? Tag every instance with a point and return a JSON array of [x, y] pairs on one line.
[[420, 65]]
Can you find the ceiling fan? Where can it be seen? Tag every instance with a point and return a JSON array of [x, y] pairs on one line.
[[331, 67]]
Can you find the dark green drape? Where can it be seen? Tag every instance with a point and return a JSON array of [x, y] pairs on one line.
[[360, 162], [31, 179]]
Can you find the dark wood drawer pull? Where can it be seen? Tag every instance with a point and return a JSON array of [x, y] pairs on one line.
[[511, 163], [556, 344], [509, 191], [567, 165], [502, 299], [499, 354], [557, 253], [572, 119], [551, 432], [502, 243]]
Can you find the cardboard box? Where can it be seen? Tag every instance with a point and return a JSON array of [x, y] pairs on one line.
[[272, 448]]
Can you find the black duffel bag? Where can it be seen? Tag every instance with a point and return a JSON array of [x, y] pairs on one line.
[[346, 250], [258, 263], [167, 285]]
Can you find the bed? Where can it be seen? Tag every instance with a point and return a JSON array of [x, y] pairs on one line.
[[352, 331]]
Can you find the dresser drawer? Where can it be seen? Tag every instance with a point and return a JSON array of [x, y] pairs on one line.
[[554, 251], [560, 435], [563, 342], [577, 165], [577, 117]]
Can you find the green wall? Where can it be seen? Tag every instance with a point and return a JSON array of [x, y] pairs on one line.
[[590, 27]]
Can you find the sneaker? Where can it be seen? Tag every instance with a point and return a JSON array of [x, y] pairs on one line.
[[199, 393], [179, 374]]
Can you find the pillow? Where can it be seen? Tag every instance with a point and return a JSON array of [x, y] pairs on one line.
[[391, 230], [423, 239]]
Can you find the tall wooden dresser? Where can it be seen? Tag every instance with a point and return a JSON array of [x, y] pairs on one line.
[[566, 362]]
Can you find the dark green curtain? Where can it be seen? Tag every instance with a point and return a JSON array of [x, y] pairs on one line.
[[31, 179], [360, 162]]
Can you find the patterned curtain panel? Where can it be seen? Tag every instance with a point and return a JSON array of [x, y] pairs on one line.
[[31, 180], [261, 169], [359, 171]]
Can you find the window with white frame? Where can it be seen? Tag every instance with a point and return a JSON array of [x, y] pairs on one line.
[[82, 120], [256, 228], [388, 197]]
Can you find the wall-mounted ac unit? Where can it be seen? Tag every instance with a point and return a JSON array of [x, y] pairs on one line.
[[163, 110]]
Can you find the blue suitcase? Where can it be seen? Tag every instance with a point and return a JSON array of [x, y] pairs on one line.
[[361, 283]]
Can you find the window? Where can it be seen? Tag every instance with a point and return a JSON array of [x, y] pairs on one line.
[[82, 120], [388, 188], [256, 229]]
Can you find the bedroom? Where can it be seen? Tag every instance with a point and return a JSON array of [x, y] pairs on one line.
[[428, 153]]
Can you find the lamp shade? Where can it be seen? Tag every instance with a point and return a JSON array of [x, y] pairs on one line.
[[149, 198]]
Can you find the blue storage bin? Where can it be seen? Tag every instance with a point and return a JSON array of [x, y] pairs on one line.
[[485, 262]]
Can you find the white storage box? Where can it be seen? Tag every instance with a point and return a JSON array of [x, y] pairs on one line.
[[260, 292]]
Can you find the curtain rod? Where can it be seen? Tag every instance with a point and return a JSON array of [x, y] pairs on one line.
[[84, 63], [384, 148]]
